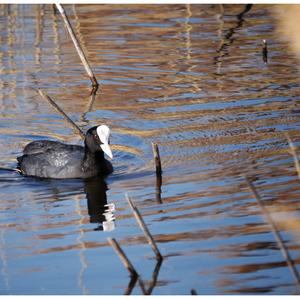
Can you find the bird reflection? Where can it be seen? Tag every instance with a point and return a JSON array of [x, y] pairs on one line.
[[98, 209]]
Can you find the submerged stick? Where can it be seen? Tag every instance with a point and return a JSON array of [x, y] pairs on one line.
[[293, 153], [52, 102], [126, 262], [144, 228], [156, 159], [78, 48], [275, 231]]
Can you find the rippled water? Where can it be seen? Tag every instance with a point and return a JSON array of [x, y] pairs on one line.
[[188, 77]]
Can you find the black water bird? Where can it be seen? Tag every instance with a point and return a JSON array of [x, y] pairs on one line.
[[52, 159]]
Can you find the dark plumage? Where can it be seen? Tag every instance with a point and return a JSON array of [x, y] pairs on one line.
[[52, 159]]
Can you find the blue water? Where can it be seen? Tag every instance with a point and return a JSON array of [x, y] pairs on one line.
[[188, 77]]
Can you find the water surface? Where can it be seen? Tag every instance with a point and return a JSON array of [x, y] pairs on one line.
[[188, 77]]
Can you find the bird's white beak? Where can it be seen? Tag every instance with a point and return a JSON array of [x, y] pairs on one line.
[[106, 148], [103, 133]]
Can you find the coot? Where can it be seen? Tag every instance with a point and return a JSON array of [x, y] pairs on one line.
[[52, 159]]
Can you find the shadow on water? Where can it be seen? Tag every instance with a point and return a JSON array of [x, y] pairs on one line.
[[95, 189], [98, 209]]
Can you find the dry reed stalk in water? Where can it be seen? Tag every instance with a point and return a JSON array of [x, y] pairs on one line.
[[78, 48], [275, 231], [158, 171], [158, 188], [144, 228], [60, 110], [264, 51], [293, 153], [156, 159], [126, 262]]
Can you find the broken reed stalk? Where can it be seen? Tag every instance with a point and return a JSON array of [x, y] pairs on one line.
[[156, 159], [275, 231], [126, 262], [52, 102], [158, 171], [144, 228], [78, 48], [264, 51], [158, 189], [293, 153]]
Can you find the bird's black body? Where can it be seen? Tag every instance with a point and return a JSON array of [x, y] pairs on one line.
[[51, 159]]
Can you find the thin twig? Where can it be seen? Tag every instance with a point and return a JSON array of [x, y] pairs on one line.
[[156, 159], [275, 231], [78, 48], [145, 229], [293, 153], [60, 110]]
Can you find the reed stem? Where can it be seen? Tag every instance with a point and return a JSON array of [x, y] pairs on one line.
[[275, 231], [156, 159], [78, 48], [126, 262], [264, 51], [293, 153], [144, 228], [60, 110]]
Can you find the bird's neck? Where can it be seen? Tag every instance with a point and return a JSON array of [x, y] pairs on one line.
[[91, 157]]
